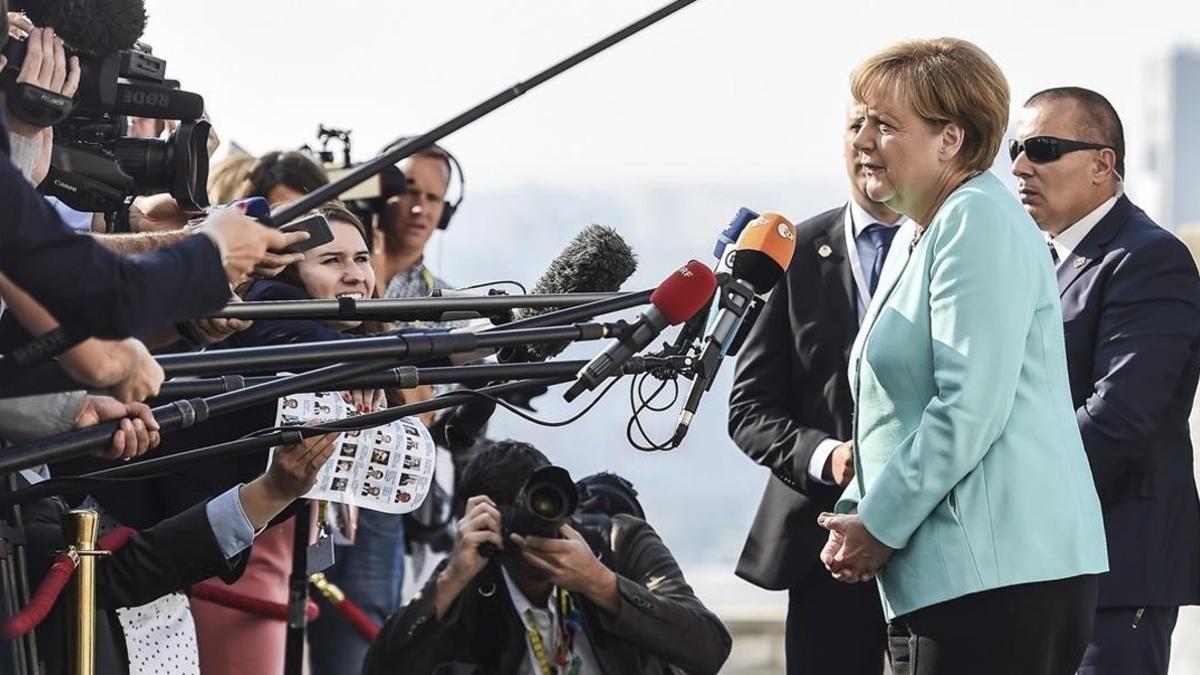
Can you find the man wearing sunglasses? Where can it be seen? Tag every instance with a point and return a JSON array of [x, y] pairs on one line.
[[1131, 308]]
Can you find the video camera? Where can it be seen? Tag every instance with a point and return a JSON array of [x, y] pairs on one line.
[[367, 199], [96, 166]]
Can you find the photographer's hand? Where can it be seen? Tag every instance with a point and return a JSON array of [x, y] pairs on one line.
[[480, 525], [292, 473], [138, 432], [215, 330], [243, 241], [46, 65], [570, 563], [274, 263]]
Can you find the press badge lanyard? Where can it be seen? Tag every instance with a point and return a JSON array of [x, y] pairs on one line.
[[568, 623]]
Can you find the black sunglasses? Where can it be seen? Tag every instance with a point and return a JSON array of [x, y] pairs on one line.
[[1041, 149]]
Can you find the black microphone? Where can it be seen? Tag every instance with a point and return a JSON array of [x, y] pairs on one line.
[[764, 251], [675, 300], [459, 428], [94, 27], [150, 100], [597, 260]]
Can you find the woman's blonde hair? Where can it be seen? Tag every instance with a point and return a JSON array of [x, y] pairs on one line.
[[228, 178], [944, 80]]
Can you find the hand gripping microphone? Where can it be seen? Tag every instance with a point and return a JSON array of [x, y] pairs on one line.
[[674, 301], [764, 251]]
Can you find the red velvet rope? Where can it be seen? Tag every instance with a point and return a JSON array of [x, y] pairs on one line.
[[227, 597], [43, 599], [358, 618]]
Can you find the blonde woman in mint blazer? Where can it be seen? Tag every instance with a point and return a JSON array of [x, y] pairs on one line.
[[973, 503]]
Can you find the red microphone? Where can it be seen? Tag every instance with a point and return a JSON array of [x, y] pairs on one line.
[[676, 300]]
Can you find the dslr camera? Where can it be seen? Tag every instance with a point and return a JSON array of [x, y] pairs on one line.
[[549, 498]]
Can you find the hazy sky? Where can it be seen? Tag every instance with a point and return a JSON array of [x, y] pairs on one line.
[[725, 89]]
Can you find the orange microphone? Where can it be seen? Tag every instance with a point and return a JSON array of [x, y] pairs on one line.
[[763, 253]]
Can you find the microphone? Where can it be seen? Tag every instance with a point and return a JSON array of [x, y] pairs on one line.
[[459, 428], [147, 100], [94, 27], [730, 236], [764, 251], [597, 260], [696, 325], [674, 301]]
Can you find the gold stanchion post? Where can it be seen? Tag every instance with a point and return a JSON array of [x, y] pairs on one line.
[[80, 528]]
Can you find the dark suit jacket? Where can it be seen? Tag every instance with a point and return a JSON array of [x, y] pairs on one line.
[[91, 290], [1131, 312], [169, 557], [660, 621], [791, 392]]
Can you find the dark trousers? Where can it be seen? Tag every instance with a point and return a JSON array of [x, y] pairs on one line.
[[834, 627], [1130, 641], [1029, 629]]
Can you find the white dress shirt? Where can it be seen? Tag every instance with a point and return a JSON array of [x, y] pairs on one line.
[[1069, 239], [856, 220], [546, 619]]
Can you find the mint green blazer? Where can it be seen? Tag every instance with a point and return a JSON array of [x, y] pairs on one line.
[[968, 459]]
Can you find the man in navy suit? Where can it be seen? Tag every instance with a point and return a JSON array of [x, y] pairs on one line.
[[1131, 310], [790, 411]]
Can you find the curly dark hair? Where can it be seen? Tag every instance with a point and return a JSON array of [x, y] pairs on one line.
[[499, 471]]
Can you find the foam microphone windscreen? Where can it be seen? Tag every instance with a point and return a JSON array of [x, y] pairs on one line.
[[95, 27], [597, 260], [687, 291], [764, 252]]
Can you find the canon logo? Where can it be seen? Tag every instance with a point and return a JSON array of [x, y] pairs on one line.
[[66, 186]]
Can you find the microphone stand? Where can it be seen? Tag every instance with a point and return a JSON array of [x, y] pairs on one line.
[[51, 378], [186, 413], [408, 377], [399, 348], [156, 466], [450, 308]]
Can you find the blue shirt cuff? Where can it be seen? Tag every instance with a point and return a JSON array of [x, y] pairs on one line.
[[229, 522]]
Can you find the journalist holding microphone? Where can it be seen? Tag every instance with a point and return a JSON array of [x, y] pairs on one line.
[[972, 503]]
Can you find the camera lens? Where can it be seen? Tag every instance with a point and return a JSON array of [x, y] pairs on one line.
[[178, 165], [547, 502]]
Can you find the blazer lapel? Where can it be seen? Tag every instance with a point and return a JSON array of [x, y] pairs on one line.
[[836, 274], [1092, 247]]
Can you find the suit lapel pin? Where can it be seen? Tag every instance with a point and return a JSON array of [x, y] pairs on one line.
[[1079, 262], [825, 251]]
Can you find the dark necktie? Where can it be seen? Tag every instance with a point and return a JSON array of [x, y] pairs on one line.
[[1053, 252], [881, 238]]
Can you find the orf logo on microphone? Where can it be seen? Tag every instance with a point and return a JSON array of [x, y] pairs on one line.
[[786, 232]]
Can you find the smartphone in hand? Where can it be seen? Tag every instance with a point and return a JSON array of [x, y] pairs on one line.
[[318, 231]]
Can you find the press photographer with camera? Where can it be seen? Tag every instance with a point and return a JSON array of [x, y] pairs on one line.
[[607, 599]]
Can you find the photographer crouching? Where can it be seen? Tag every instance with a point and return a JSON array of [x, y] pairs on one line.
[[613, 601]]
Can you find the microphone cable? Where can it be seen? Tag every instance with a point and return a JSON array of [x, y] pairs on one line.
[[637, 393]]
